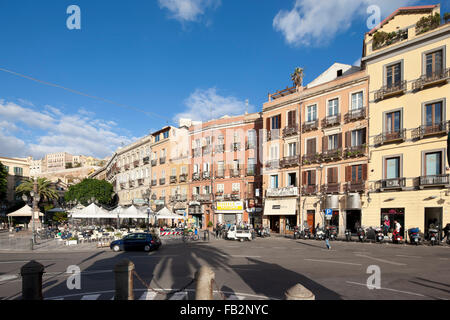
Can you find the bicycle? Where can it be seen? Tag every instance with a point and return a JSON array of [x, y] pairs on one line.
[[190, 237]]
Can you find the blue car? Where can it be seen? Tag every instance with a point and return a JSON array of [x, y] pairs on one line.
[[136, 242]]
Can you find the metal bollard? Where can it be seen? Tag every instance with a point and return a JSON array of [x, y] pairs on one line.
[[123, 272], [299, 292], [32, 280], [204, 286]]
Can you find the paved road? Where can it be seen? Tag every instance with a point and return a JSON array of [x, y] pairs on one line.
[[261, 269]]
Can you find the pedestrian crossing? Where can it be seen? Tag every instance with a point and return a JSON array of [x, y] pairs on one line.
[[152, 295]]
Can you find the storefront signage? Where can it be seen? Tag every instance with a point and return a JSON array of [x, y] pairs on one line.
[[283, 192], [230, 207], [139, 201]]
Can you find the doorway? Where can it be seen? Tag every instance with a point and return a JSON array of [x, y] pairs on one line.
[[397, 214], [275, 224], [311, 220], [433, 218], [353, 220]]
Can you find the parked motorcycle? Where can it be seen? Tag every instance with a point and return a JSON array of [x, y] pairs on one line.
[[379, 235], [361, 234], [296, 232], [306, 234], [320, 234], [414, 236], [433, 236], [333, 232], [396, 237], [348, 235]]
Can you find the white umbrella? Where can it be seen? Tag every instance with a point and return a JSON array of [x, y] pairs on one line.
[[25, 211], [92, 212], [132, 213], [165, 213]]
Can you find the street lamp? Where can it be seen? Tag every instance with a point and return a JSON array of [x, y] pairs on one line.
[[35, 198]]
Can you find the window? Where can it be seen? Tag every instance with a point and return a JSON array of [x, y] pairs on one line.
[[433, 114], [433, 163], [206, 190], [393, 122], [196, 190], [333, 142], [251, 137], [292, 179], [183, 170], [292, 149], [357, 100], [157, 138], [311, 113], [310, 178], [221, 166], [18, 171], [275, 122], [333, 107], [221, 140], [196, 169], [357, 173], [274, 154], [166, 135], [292, 119], [174, 172], [392, 168], [393, 75], [358, 137], [236, 187], [274, 182], [206, 167], [220, 188], [332, 175], [434, 65], [311, 146]]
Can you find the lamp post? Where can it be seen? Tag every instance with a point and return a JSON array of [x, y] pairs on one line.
[[35, 198]]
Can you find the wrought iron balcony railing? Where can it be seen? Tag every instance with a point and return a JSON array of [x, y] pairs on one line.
[[206, 175], [356, 151], [437, 180], [291, 161], [356, 114], [196, 176], [392, 90], [162, 160], [220, 174], [183, 177], [236, 146], [154, 163], [330, 121], [290, 131], [173, 179], [310, 126], [146, 160], [272, 164], [220, 148], [310, 190], [431, 79], [311, 158], [331, 188], [355, 186], [396, 183], [393, 136], [431, 129], [235, 173], [154, 183], [332, 155], [162, 181]]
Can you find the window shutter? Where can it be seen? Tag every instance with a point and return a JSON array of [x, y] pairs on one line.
[[304, 178], [313, 146], [364, 172], [279, 121], [313, 177], [324, 143], [330, 175], [340, 140], [348, 139], [348, 173], [268, 124], [364, 135]]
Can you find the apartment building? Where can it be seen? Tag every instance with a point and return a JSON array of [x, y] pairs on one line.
[[224, 174], [56, 161], [408, 64], [18, 170]]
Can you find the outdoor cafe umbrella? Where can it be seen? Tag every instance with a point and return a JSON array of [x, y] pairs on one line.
[[54, 210], [92, 212], [132, 213], [25, 211], [165, 213]]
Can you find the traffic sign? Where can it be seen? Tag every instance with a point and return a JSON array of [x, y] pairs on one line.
[[328, 214]]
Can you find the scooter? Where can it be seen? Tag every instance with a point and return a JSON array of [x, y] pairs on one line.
[[361, 234], [333, 233], [379, 235], [320, 234], [396, 237], [297, 233], [348, 235], [414, 236], [433, 236], [306, 234]]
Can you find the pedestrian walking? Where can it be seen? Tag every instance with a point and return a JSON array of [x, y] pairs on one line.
[[327, 237]]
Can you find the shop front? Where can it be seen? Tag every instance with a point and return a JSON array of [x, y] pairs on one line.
[[195, 215], [230, 212], [394, 214], [280, 215]]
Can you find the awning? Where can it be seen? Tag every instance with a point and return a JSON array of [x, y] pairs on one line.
[[165, 213], [92, 212], [133, 213], [25, 211], [284, 207]]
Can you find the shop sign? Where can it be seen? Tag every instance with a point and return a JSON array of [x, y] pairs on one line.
[[230, 206], [283, 192]]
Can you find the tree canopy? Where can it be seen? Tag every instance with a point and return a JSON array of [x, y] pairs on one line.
[[82, 192], [45, 189], [3, 181]]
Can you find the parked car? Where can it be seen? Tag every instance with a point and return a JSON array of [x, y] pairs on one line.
[[136, 242]]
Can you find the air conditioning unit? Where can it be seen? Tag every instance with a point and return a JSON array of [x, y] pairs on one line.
[[392, 183]]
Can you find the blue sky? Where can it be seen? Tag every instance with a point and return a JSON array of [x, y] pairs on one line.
[[159, 60]]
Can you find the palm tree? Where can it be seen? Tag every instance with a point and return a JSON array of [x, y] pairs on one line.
[[297, 77], [44, 188]]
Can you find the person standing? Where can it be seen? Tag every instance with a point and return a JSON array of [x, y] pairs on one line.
[[327, 237]]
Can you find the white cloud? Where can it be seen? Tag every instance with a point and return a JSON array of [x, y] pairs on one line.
[[207, 104], [315, 22], [72, 133], [188, 10]]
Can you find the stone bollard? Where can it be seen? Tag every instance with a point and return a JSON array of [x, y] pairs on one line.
[[32, 280], [299, 292], [204, 287], [123, 272]]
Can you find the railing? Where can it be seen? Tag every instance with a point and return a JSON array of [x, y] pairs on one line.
[[206, 175], [173, 179], [178, 198], [162, 181], [197, 152], [430, 79], [236, 146], [220, 174], [272, 164], [309, 190], [290, 131], [201, 197], [395, 183], [355, 114], [235, 173], [154, 163], [359, 186], [207, 149], [332, 155], [390, 137], [146, 160], [282, 192], [154, 183], [273, 134], [331, 121], [311, 158], [250, 145], [355, 152], [220, 148], [437, 180], [394, 89], [310, 126], [331, 188], [162, 160], [291, 161], [433, 129], [183, 177], [196, 176]]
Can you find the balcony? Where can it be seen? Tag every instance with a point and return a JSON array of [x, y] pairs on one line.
[[272, 164], [122, 186], [356, 114], [206, 175], [391, 184], [154, 163], [146, 160], [131, 183], [290, 131], [353, 186], [250, 145], [273, 135], [202, 197], [162, 160], [236, 146], [251, 170], [431, 79], [434, 181], [388, 137], [291, 161], [331, 121], [154, 183], [173, 179], [183, 178], [235, 173], [309, 190], [331, 188], [308, 159], [136, 163], [282, 192], [355, 152], [220, 174], [310, 126], [207, 149], [178, 198], [431, 130], [196, 176], [220, 148], [332, 155], [197, 152], [235, 195], [390, 91]]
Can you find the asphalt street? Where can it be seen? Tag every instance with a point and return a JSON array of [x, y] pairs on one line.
[[260, 269]]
